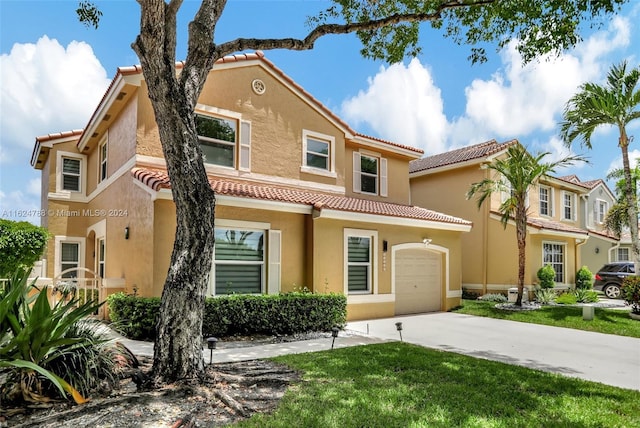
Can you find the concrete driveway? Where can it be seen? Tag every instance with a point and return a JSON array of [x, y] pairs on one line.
[[609, 359]]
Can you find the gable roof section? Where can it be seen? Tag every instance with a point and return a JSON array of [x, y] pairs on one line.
[[158, 180], [132, 75], [590, 184], [551, 227], [44, 143], [470, 154]]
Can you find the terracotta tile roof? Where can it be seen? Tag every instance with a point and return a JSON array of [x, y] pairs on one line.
[[604, 233], [158, 179], [557, 226], [58, 135], [464, 154]]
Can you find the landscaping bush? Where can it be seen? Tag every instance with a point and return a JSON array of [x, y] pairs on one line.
[[21, 245], [584, 295], [567, 299], [584, 279], [631, 292], [288, 313], [469, 294], [545, 295], [498, 298], [546, 276]]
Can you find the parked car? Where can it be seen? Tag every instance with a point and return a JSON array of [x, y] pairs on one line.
[[609, 278]]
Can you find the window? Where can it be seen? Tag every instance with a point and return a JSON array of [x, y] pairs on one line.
[[568, 206], [369, 174], [71, 174], [101, 257], [69, 258], [359, 264], [102, 174], [553, 254], [545, 201], [623, 255], [239, 261], [217, 140], [602, 207], [318, 153]]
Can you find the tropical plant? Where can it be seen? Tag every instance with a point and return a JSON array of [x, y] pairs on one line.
[[514, 175], [545, 295], [584, 279], [617, 103], [21, 245], [388, 29], [37, 340], [631, 293], [546, 275], [617, 217], [498, 298], [585, 295]]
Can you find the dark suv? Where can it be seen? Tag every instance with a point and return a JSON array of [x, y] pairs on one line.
[[609, 278]]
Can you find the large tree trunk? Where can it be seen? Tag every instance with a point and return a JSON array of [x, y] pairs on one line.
[[178, 347], [632, 203]]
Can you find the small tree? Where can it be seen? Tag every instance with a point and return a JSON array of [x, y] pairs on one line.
[[584, 278], [21, 245], [547, 277]]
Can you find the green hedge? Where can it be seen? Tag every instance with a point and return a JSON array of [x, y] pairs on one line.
[[290, 313]]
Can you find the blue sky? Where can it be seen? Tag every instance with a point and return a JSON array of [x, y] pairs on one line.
[[54, 71]]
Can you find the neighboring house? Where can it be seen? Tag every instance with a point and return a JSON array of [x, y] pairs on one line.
[[490, 252], [302, 200], [622, 252], [602, 246]]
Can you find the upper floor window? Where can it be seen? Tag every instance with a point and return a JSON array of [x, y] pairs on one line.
[[217, 140], [102, 174], [369, 174], [71, 174], [568, 206], [602, 207], [318, 153], [545, 201]]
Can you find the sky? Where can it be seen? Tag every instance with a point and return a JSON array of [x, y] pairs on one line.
[[54, 71]]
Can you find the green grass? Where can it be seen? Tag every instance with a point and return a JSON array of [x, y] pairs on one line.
[[403, 385], [608, 321]]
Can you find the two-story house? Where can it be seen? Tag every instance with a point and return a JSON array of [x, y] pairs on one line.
[[602, 246], [302, 199], [490, 252]]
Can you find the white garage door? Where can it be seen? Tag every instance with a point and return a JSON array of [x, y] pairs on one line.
[[418, 274]]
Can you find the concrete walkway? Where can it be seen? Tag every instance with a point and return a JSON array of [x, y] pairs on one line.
[[609, 359]]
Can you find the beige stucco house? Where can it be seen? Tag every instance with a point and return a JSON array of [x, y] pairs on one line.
[[555, 232], [302, 199]]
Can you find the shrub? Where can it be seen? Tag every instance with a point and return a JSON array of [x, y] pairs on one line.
[[498, 298], [631, 292], [21, 245], [469, 294], [584, 295], [567, 299], [546, 275], [288, 313], [38, 341], [545, 295], [584, 279]]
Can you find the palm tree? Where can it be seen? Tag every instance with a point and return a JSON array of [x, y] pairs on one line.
[[618, 215], [616, 103], [515, 174]]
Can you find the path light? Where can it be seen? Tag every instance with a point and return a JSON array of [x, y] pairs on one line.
[[399, 328], [212, 343], [334, 334]]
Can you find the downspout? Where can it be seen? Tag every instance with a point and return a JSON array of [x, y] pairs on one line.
[[579, 242], [615, 247]]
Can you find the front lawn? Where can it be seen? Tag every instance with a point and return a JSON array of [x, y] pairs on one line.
[[608, 321], [403, 385]]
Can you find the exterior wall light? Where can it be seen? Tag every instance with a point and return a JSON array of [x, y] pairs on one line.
[[126, 232]]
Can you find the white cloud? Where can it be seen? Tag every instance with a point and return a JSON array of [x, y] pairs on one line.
[[558, 150], [402, 94], [634, 155], [34, 187], [47, 88]]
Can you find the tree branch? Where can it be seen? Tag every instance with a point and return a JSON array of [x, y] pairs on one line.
[[308, 42]]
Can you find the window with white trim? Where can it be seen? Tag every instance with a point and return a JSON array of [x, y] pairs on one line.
[[545, 200], [359, 256], [623, 255], [369, 174], [553, 254], [102, 173], [568, 206], [318, 153], [101, 257], [222, 144], [71, 174], [602, 207], [239, 261], [69, 258]]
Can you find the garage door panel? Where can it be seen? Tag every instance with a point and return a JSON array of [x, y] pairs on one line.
[[418, 281]]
